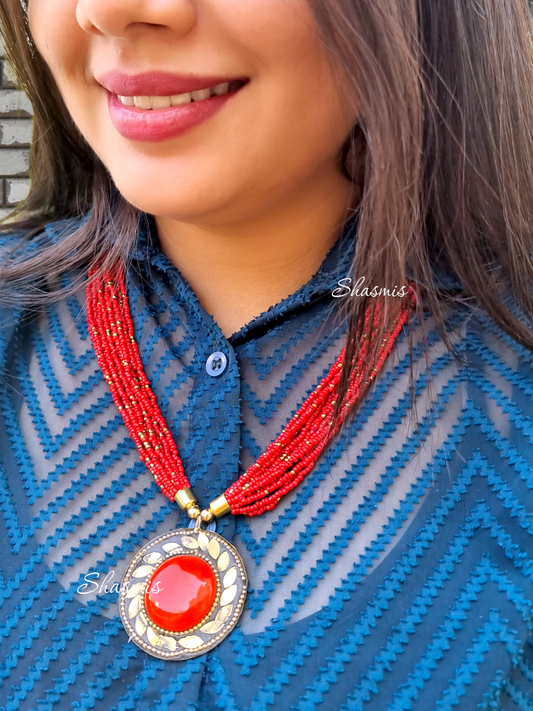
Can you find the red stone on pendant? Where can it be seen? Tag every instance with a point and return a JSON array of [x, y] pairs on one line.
[[181, 593]]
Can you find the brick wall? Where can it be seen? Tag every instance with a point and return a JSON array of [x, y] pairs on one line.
[[15, 137]]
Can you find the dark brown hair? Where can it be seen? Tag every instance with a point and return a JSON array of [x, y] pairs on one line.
[[443, 148]]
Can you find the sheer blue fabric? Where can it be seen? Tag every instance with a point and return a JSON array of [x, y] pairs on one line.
[[398, 575]]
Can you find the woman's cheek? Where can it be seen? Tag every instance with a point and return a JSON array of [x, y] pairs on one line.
[[57, 34]]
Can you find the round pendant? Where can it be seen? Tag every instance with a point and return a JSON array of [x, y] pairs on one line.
[[183, 593]]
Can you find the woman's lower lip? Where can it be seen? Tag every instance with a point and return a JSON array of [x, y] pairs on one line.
[[162, 124]]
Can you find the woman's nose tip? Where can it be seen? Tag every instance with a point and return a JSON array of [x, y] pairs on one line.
[[117, 18]]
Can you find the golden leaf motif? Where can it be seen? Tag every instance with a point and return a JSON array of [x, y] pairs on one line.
[[223, 561], [191, 642], [203, 541], [228, 595], [169, 643], [218, 623], [153, 558], [171, 547], [134, 590], [154, 639], [212, 627], [134, 607], [230, 577], [189, 542], [142, 572], [224, 613], [140, 627], [214, 548]]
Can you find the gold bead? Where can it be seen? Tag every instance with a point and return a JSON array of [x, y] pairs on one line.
[[206, 516], [194, 512]]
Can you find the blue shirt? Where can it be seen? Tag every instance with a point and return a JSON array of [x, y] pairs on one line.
[[398, 575]]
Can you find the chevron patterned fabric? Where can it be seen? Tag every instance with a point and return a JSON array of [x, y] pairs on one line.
[[398, 575]]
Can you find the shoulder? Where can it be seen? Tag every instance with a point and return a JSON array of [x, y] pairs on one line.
[[25, 242], [477, 397], [493, 349], [20, 248], [494, 426]]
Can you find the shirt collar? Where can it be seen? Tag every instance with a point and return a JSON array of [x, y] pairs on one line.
[[335, 266]]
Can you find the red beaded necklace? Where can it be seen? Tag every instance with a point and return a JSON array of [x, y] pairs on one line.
[[200, 561]]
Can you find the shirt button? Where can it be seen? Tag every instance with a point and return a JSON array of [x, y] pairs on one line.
[[216, 364]]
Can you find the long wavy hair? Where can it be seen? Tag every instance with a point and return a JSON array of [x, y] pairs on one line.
[[443, 152]]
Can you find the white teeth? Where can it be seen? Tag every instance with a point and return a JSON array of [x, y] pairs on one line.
[[220, 89], [165, 102], [179, 99], [160, 102], [142, 102], [201, 94]]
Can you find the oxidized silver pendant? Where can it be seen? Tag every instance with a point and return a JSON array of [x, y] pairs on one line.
[[183, 593]]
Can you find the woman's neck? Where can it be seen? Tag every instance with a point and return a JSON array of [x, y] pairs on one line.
[[239, 269]]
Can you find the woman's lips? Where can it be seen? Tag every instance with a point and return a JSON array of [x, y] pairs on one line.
[[160, 124], [159, 83]]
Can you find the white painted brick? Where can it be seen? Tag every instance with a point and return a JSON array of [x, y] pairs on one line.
[[14, 162], [4, 212], [15, 132], [16, 190], [8, 72], [8, 76], [14, 103]]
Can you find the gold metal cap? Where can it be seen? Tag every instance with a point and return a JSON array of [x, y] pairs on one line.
[[185, 499], [219, 507]]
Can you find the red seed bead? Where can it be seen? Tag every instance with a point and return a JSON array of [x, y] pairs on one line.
[[285, 462]]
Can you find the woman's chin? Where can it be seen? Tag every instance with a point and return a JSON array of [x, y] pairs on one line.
[[163, 201]]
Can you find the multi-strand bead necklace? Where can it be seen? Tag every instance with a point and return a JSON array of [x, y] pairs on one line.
[[184, 591]]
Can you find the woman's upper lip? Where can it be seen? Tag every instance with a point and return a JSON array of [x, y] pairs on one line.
[[159, 83]]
